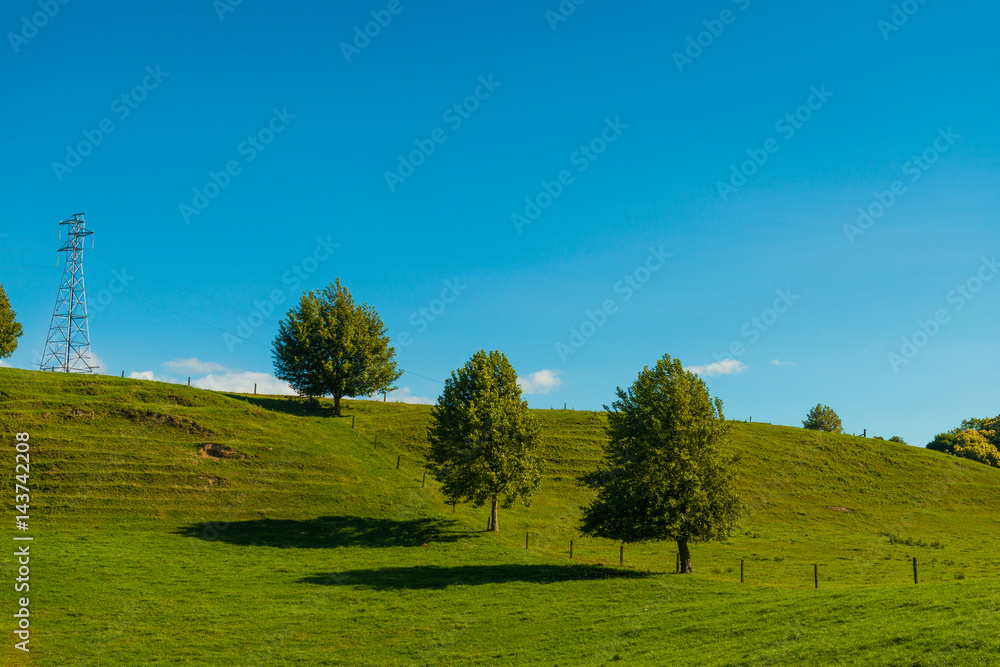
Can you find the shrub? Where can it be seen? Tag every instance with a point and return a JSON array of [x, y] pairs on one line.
[[823, 418]]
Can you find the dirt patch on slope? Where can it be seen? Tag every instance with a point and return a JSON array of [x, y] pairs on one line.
[[148, 418], [213, 450], [840, 509]]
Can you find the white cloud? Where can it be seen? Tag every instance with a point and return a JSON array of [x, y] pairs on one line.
[[149, 375], [4, 364], [782, 363], [539, 382], [404, 395], [194, 366], [242, 382], [724, 367], [100, 368]]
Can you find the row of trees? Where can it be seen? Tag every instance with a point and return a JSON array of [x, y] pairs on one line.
[[667, 472]]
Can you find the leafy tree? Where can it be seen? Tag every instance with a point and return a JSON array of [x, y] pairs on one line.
[[975, 439], [10, 328], [484, 442], [327, 345], [896, 438], [667, 473], [823, 418]]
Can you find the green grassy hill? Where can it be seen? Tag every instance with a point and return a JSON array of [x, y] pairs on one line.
[[179, 526]]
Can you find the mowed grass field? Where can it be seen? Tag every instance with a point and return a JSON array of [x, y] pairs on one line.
[[315, 549]]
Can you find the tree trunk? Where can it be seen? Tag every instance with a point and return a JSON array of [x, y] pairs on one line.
[[682, 549], [494, 524], [336, 405]]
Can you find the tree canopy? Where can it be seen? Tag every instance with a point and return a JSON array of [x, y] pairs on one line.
[[484, 442], [975, 439], [10, 328], [667, 472], [823, 418], [327, 345]]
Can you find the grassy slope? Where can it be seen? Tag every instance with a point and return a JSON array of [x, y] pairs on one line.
[[317, 550]]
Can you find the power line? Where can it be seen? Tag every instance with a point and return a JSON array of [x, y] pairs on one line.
[[422, 376], [201, 296], [172, 284], [186, 317]]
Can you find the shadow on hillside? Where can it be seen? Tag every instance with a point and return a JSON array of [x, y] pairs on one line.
[[432, 576], [328, 532], [291, 405]]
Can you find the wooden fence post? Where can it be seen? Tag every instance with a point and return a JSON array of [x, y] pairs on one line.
[[525, 540], [816, 575], [571, 549], [424, 483], [621, 556], [352, 421], [741, 570], [914, 569], [398, 460], [376, 441]]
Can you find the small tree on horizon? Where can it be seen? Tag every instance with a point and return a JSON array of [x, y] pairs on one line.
[[327, 345], [667, 473], [10, 328], [484, 442], [823, 418]]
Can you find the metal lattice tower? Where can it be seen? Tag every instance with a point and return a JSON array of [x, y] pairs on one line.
[[67, 349]]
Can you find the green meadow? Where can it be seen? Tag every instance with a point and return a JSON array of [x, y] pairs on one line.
[[176, 526]]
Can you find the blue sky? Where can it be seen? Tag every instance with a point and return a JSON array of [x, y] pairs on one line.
[[582, 186]]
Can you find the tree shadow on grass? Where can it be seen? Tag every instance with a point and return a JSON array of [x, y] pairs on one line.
[[328, 532], [438, 577], [290, 405]]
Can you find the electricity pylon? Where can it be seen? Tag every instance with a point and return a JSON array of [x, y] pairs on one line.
[[67, 349]]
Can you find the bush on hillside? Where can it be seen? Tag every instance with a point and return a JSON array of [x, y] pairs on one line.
[[823, 418], [977, 444]]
